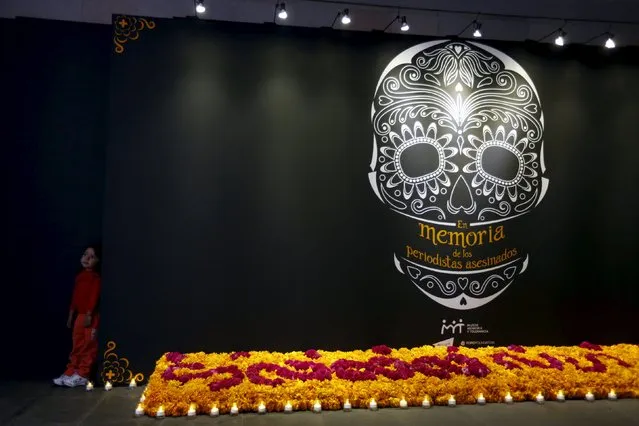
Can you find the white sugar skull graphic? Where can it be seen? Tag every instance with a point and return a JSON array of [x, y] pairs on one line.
[[458, 148]]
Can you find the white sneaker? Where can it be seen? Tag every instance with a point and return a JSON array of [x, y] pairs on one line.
[[59, 381], [75, 380]]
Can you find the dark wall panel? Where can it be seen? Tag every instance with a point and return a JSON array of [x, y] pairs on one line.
[[54, 132], [239, 213]]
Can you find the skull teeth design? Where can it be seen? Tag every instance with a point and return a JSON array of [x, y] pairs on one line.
[[458, 137]]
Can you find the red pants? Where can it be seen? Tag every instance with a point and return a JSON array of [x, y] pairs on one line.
[[85, 348]]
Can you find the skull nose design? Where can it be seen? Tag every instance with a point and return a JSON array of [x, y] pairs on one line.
[[461, 198]]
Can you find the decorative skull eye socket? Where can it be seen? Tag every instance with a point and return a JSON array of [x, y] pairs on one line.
[[500, 163], [420, 160]]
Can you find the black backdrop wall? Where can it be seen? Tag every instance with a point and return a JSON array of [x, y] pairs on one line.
[[239, 215], [238, 211], [54, 130]]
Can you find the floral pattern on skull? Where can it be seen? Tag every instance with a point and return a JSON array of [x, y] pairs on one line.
[[458, 137]]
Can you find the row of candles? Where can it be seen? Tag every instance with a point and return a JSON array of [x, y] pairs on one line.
[[317, 407], [108, 385]]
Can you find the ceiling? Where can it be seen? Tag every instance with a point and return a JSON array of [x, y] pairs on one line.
[[438, 21]]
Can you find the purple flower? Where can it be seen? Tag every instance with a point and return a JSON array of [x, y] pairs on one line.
[[499, 358], [382, 350], [169, 374], [236, 378], [552, 361], [236, 355], [318, 371], [174, 357], [516, 348], [253, 373], [352, 370], [597, 366], [619, 360], [379, 366], [312, 353], [191, 365], [588, 345], [431, 366]]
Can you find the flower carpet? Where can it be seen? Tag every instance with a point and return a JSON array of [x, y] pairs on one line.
[[300, 380]]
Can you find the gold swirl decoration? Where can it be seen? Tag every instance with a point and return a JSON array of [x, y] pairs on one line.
[[115, 369], [128, 28]]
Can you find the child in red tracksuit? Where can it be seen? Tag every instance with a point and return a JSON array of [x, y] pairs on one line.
[[84, 304]]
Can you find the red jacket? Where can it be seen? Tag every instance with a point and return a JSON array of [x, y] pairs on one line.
[[86, 293]]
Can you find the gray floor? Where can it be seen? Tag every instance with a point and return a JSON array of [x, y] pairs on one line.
[[25, 403]]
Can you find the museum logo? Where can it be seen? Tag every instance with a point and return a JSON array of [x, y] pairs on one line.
[[455, 327]]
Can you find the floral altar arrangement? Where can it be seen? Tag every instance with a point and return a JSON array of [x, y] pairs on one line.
[[258, 381]]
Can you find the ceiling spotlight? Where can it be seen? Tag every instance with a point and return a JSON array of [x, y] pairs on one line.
[[405, 26], [346, 18], [281, 11], [477, 32], [199, 6], [476, 28], [610, 40], [560, 40]]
